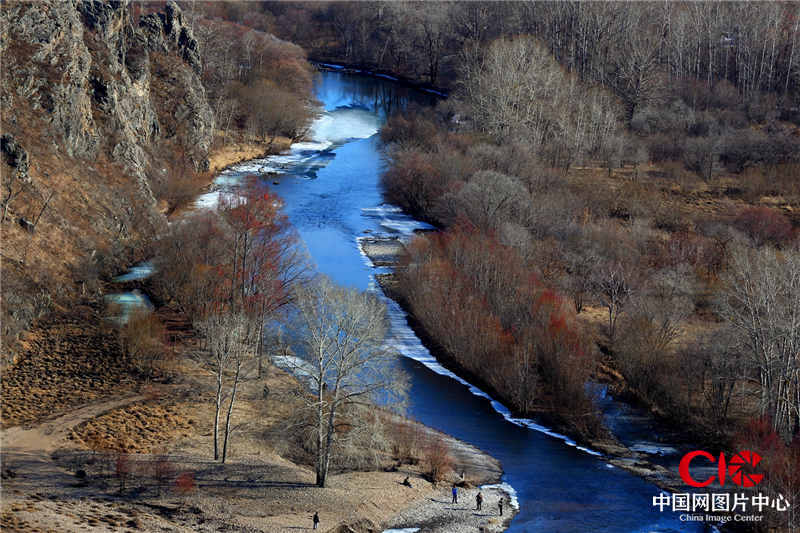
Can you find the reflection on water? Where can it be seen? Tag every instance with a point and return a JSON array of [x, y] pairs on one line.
[[375, 95], [122, 304]]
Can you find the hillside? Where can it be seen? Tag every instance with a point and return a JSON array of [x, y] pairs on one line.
[[95, 109]]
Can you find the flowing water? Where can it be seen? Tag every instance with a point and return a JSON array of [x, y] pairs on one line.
[[332, 191]]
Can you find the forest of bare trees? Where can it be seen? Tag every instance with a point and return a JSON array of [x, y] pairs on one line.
[[638, 50], [258, 85], [690, 79], [637, 185]]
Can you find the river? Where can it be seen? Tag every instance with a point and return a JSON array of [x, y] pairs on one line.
[[332, 191]]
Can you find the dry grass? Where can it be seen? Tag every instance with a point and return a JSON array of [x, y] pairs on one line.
[[669, 189], [65, 361], [258, 490], [140, 428], [223, 156]]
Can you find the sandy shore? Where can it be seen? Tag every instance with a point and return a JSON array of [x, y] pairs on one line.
[[258, 490], [381, 251], [438, 514], [222, 157]]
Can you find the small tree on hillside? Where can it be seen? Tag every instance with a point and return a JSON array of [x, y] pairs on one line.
[[438, 460], [232, 339], [612, 285]]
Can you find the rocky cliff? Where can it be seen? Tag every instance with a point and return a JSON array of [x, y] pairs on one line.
[[100, 103]]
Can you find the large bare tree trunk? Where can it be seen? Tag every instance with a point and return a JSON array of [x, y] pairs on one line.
[[321, 475]]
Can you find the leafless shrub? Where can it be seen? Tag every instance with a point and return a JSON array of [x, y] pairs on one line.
[[142, 339], [163, 470], [406, 442], [123, 469], [437, 459]]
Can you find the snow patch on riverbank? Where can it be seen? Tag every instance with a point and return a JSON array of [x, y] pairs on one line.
[[652, 448], [508, 489], [392, 218]]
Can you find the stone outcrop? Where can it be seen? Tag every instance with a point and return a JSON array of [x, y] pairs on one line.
[[16, 156], [86, 68], [167, 31]]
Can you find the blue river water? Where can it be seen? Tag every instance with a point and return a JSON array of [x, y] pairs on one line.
[[332, 191]]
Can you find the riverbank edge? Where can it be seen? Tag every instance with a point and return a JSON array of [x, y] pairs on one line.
[[465, 457], [612, 451], [223, 158], [335, 65]]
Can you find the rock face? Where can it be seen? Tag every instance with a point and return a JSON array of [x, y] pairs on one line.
[[100, 102], [86, 67], [16, 156]]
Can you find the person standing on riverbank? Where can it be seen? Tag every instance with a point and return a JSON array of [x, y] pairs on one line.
[[478, 501], [500, 505], [315, 519], [455, 493]]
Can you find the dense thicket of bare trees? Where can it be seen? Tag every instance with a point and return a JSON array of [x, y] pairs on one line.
[[761, 305], [640, 50], [258, 85], [491, 316], [516, 90], [230, 271]]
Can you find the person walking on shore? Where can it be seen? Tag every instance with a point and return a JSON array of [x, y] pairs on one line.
[[455, 493], [478, 501], [315, 519]]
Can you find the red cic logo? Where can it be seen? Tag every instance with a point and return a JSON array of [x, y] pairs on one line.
[[735, 469]]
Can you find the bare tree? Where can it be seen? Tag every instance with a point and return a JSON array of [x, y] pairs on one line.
[[637, 74], [487, 200], [343, 353], [516, 89], [761, 302], [612, 285], [723, 371], [652, 324], [231, 339]]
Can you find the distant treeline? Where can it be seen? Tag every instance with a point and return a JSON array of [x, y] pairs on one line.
[[640, 50]]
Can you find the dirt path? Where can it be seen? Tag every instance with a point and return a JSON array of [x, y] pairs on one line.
[[46, 437]]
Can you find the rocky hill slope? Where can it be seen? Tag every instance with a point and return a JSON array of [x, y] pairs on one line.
[[99, 106]]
